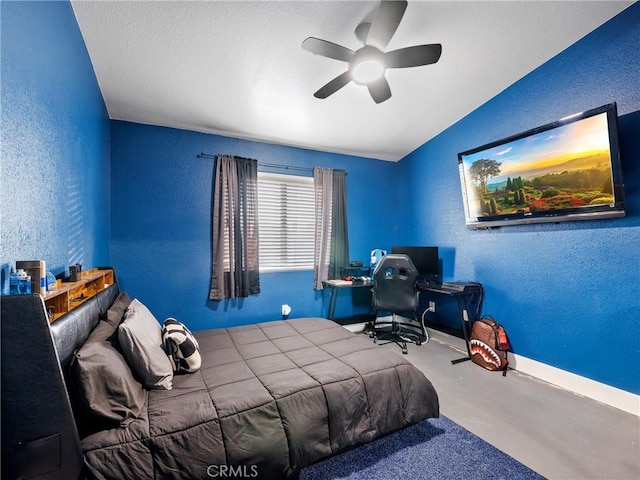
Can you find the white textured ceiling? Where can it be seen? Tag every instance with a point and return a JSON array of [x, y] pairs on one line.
[[236, 68]]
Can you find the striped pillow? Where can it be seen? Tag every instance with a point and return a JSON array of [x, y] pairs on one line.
[[181, 346]]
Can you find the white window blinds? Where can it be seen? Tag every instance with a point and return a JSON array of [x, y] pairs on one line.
[[286, 209]]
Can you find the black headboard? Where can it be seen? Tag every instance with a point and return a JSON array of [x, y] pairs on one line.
[[39, 434], [72, 329]]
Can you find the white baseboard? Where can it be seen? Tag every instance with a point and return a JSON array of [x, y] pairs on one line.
[[355, 327], [601, 392]]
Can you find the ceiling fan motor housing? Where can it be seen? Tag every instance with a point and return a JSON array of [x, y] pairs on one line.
[[367, 65]]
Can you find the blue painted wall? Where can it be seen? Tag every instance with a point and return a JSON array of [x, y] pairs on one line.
[[54, 200], [161, 204], [566, 293], [571, 303]]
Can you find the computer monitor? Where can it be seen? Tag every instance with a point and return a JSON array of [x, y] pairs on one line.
[[425, 259]]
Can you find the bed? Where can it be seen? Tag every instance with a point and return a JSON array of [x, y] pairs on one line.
[[267, 400]]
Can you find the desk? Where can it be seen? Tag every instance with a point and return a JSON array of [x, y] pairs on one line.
[[333, 286], [469, 304]]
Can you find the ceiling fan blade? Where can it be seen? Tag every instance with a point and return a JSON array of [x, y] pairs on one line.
[[413, 56], [334, 85], [385, 23], [362, 32], [327, 49], [380, 90]]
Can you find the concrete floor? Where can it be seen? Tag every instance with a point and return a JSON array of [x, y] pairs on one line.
[[553, 431]]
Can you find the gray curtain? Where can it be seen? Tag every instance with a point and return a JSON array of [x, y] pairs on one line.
[[235, 269], [331, 249]]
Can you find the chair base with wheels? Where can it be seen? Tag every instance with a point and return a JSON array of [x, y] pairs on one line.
[[398, 332]]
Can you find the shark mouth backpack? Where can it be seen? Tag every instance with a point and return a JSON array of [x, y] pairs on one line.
[[489, 344]]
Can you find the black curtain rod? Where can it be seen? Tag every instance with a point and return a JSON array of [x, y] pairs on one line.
[[263, 164]]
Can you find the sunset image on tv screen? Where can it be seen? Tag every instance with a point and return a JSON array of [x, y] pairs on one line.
[[566, 167]]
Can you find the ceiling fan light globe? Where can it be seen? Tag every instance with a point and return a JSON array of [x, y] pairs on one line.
[[367, 71]]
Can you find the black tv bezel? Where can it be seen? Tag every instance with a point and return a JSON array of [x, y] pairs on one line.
[[617, 210]]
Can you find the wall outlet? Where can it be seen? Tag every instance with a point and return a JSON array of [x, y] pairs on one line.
[[432, 306]]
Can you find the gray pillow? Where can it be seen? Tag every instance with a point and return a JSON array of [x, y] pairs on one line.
[[104, 384], [117, 309], [140, 337]]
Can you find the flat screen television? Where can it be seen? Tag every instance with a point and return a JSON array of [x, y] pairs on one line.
[[425, 259], [564, 171]]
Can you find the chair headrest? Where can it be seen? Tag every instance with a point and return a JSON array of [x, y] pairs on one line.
[[397, 261]]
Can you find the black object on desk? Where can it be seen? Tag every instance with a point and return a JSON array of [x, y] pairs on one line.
[[354, 271], [470, 296]]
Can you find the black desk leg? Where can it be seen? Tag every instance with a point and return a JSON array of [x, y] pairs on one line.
[[463, 308], [333, 299]]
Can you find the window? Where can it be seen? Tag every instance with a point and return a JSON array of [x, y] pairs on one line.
[[286, 211]]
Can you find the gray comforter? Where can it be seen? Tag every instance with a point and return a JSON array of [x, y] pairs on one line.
[[268, 400]]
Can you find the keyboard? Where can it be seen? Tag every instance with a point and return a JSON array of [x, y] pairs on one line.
[[457, 286], [461, 286]]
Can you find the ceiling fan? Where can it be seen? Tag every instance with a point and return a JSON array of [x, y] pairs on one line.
[[368, 64]]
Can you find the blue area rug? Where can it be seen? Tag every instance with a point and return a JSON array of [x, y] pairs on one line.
[[437, 449]]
